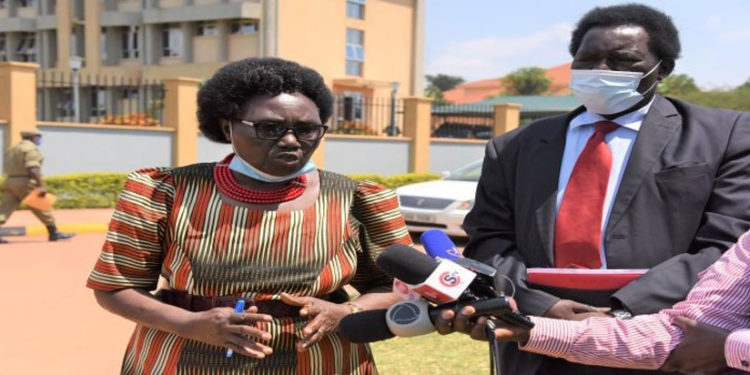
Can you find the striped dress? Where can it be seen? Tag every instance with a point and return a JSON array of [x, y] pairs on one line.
[[174, 223]]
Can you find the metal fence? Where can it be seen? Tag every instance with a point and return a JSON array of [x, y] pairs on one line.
[[100, 99], [362, 115], [466, 121]]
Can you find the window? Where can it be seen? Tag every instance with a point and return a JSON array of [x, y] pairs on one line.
[[355, 9], [103, 44], [172, 41], [98, 101], [244, 27], [206, 29], [26, 3], [26, 50], [130, 42], [353, 106], [3, 52], [355, 52]]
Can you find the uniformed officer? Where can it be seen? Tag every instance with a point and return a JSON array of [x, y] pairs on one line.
[[23, 163]]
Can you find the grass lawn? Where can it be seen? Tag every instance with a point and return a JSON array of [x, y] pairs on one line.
[[432, 354]]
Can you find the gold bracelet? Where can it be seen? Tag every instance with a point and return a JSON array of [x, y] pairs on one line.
[[353, 308]]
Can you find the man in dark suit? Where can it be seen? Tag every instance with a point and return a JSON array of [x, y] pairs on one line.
[[629, 180]]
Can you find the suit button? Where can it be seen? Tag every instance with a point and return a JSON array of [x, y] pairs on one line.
[[745, 363]]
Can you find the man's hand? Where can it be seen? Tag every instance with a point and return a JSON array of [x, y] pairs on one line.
[[463, 322], [701, 348], [42, 191], [572, 310]]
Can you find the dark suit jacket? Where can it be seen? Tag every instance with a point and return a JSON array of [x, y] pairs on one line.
[[684, 199]]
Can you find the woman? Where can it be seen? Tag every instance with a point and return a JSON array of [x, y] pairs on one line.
[[262, 225]]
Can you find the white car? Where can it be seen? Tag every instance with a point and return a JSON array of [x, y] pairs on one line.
[[440, 204]]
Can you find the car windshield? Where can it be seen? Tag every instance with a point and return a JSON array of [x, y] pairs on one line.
[[470, 172]]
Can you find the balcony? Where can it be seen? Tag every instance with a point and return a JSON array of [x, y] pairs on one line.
[[195, 13], [17, 24]]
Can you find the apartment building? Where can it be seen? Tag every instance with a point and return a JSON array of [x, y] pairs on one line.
[[363, 48]]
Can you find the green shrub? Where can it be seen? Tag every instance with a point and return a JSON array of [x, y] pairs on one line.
[[86, 190], [397, 179], [100, 190]]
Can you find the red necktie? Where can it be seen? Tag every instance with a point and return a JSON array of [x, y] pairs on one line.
[[578, 229]]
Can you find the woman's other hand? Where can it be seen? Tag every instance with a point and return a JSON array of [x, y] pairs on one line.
[[325, 317], [223, 327]]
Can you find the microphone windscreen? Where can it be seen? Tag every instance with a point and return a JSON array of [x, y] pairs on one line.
[[365, 326], [437, 244], [406, 264]]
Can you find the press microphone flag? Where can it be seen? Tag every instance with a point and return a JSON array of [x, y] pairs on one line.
[[439, 282], [438, 245]]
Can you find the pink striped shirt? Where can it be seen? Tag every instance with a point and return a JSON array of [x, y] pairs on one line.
[[721, 298]]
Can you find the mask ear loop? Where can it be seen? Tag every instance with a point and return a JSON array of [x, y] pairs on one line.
[[656, 83]]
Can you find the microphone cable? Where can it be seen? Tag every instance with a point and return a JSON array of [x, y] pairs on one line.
[[494, 348]]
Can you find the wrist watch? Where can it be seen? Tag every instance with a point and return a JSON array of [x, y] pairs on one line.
[[620, 314]]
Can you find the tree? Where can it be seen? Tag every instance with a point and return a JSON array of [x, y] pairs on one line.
[[436, 95], [443, 82], [526, 81], [677, 85]]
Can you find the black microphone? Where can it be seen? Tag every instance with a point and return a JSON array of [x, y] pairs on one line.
[[416, 318], [414, 267]]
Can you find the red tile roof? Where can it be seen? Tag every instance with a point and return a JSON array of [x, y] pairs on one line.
[[475, 91]]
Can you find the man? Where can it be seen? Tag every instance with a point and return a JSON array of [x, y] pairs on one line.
[[23, 163], [670, 339], [629, 180]]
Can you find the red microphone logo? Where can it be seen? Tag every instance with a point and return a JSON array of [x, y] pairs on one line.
[[450, 279]]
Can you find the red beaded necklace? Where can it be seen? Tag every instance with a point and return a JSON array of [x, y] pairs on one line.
[[228, 185]]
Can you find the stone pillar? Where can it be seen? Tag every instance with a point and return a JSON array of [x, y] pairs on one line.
[[319, 156], [180, 107], [507, 117], [92, 33], [64, 27], [17, 99], [417, 114]]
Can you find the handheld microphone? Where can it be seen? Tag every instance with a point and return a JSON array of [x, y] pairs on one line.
[[438, 245], [439, 282], [416, 318]]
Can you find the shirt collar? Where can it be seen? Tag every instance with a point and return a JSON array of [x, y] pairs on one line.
[[630, 120]]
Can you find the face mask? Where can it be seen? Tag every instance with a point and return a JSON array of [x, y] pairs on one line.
[[240, 165], [37, 141], [607, 92]]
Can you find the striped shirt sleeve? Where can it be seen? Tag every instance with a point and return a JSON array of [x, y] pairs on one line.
[[133, 249], [718, 299], [376, 208], [737, 350]]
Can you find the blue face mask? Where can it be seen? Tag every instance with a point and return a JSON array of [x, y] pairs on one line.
[[37, 141], [240, 165]]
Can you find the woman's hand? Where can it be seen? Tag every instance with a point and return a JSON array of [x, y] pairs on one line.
[[325, 317], [223, 327]]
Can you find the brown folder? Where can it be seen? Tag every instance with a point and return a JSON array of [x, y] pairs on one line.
[[33, 200]]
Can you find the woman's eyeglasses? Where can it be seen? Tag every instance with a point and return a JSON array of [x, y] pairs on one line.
[[275, 130]]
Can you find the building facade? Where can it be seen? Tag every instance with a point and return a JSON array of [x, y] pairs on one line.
[[363, 48]]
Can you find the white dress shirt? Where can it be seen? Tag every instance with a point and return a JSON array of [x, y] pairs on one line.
[[620, 141]]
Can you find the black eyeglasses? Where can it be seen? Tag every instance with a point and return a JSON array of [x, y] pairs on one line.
[[274, 130]]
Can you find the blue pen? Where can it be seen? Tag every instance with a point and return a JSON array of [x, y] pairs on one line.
[[238, 309]]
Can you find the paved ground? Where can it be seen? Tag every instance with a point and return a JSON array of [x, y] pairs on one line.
[[50, 322]]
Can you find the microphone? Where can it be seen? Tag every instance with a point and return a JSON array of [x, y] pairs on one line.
[[416, 318], [439, 282], [438, 245]]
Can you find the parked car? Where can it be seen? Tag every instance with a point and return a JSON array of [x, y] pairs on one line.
[[463, 131], [440, 204]]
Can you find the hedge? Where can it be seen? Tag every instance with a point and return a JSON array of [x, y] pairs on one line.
[[100, 190]]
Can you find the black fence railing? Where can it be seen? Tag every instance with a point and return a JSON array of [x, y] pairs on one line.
[[466, 121], [363, 115], [100, 99]]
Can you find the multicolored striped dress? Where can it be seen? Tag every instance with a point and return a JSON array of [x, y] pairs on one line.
[[174, 223]]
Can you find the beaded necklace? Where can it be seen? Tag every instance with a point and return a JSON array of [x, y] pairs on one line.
[[228, 185]]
